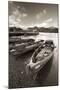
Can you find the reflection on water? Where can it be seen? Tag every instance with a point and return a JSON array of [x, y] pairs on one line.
[[48, 75]]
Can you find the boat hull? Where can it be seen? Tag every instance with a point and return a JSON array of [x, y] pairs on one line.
[[34, 68], [19, 50]]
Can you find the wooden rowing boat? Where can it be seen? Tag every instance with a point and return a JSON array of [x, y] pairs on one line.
[[39, 58], [25, 47]]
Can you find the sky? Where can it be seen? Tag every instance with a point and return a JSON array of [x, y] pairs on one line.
[[24, 15]]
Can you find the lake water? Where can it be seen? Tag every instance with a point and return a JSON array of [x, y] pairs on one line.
[[47, 76], [46, 36]]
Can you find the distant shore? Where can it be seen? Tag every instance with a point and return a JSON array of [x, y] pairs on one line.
[[33, 31]]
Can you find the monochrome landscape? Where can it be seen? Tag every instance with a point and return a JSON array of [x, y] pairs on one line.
[[33, 44]]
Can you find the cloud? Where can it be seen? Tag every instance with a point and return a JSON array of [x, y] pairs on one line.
[[41, 14], [49, 20], [16, 14], [19, 14], [16, 17], [24, 15], [44, 11], [12, 20], [46, 23], [38, 16]]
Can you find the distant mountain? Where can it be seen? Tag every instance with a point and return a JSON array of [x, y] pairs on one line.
[[34, 29], [43, 29], [13, 29]]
